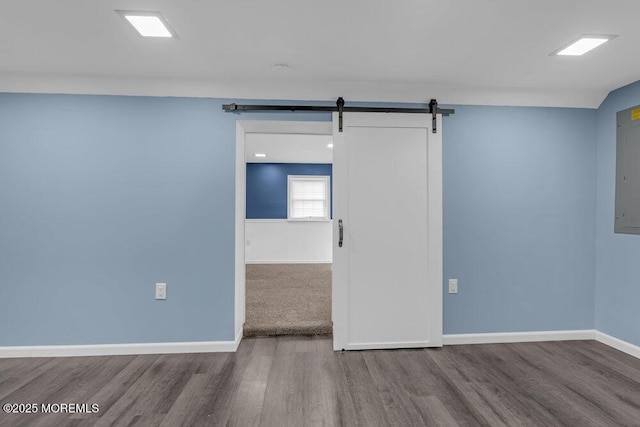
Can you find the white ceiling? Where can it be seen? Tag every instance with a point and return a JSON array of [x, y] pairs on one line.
[[461, 52], [288, 148]]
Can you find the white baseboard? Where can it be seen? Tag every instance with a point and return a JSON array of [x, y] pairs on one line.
[[232, 346], [121, 349], [315, 261], [514, 337], [618, 344]]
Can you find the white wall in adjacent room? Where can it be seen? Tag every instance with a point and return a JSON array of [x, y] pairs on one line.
[[279, 241]]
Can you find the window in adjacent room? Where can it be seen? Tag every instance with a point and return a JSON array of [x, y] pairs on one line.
[[308, 198]]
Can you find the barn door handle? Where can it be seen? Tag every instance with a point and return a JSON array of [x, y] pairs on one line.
[[340, 232]]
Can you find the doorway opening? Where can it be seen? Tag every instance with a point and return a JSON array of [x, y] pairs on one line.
[[386, 270], [288, 238]]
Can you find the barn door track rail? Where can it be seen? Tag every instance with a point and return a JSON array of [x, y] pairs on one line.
[[432, 109]]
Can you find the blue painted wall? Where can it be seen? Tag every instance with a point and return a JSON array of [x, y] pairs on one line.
[[267, 187], [102, 196], [617, 268], [519, 218]]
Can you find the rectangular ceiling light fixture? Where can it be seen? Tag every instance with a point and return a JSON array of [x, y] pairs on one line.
[[259, 154], [583, 45], [148, 24]]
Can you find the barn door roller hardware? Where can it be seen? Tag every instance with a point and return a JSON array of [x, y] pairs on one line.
[[432, 109]]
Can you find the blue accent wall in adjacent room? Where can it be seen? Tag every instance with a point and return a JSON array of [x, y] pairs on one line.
[[617, 268], [267, 186]]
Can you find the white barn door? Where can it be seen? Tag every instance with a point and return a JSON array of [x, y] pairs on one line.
[[387, 275]]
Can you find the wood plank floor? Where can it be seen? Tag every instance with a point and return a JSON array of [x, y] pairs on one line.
[[296, 381]]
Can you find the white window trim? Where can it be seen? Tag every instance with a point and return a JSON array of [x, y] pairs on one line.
[[327, 215]]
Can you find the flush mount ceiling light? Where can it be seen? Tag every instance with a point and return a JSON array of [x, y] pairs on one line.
[[259, 154], [148, 24], [583, 45], [329, 145]]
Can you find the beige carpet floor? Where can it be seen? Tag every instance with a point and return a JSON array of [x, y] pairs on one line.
[[288, 299]]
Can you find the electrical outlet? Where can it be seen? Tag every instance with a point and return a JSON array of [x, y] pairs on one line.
[[161, 291], [453, 286]]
